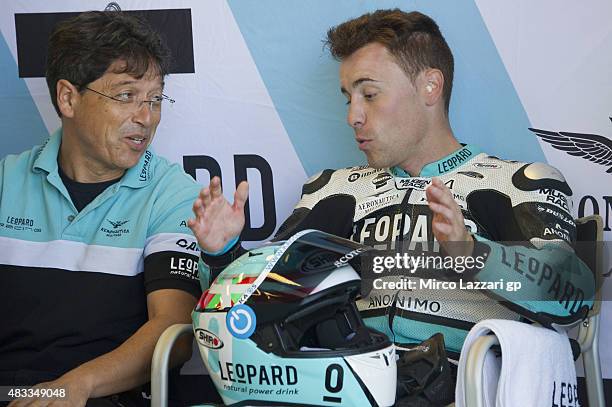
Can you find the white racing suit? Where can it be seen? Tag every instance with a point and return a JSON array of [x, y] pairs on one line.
[[519, 214]]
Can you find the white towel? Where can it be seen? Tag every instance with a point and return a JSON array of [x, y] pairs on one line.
[[537, 367]]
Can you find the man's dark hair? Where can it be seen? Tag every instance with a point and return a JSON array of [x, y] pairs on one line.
[[82, 48], [414, 40]]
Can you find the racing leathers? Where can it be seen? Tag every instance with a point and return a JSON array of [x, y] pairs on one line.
[[518, 213]]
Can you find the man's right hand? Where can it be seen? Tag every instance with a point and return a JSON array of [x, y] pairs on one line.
[[216, 220]]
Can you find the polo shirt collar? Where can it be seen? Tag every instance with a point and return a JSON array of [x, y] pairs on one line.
[[47, 155], [138, 176]]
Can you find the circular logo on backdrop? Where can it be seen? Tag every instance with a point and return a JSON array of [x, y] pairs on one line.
[[241, 321]]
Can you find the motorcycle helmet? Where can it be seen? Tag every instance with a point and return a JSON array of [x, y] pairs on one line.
[[279, 326]]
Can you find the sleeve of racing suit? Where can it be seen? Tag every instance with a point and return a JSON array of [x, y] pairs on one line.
[[532, 235], [213, 265]]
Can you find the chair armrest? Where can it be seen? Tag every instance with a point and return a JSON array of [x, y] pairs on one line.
[[159, 363], [473, 380]]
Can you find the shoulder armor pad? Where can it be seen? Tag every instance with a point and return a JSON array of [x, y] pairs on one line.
[[539, 175], [316, 182], [537, 171]]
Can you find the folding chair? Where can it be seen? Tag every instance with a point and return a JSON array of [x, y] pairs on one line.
[[589, 229], [161, 358]]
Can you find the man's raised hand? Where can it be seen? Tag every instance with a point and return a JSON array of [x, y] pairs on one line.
[[216, 220], [448, 224]]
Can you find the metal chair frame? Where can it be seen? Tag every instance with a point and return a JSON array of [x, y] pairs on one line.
[[160, 362], [588, 339]]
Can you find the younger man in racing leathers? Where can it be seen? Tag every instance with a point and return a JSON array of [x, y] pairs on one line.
[[422, 185], [500, 200]]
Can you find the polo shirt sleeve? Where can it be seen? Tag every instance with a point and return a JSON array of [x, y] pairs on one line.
[[171, 251]]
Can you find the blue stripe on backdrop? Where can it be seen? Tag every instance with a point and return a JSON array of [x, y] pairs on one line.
[[21, 127], [285, 41]]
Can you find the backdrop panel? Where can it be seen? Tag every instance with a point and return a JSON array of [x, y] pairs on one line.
[[258, 96]]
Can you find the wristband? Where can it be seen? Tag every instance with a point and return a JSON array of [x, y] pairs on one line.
[[225, 249]]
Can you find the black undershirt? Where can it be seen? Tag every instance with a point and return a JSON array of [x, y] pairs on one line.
[[83, 193]]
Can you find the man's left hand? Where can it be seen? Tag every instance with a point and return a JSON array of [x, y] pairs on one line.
[[448, 223]]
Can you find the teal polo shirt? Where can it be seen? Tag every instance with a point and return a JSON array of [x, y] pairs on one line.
[[73, 284]]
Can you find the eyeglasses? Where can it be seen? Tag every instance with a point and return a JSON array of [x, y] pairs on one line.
[[129, 100]]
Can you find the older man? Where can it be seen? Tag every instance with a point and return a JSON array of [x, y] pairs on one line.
[[96, 257]]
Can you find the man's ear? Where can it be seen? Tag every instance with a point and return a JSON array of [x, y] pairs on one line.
[[432, 85], [68, 97]]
